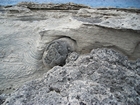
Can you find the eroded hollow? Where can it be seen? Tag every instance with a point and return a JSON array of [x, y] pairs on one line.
[[57, 51]]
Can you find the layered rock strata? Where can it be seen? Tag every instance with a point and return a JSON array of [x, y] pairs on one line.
[[26, 33], [52, 6]]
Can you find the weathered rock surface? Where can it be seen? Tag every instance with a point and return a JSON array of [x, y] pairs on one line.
[[25, 35], [100, 28], [103, 77], [17, 9], [57, 51], [52, 6]]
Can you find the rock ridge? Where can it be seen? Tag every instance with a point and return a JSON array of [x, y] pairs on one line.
[[52, 6]]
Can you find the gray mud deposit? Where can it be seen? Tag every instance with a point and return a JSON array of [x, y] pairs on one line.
[[26, 33]]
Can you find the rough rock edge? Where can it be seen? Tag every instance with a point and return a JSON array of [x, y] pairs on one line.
[[17, 9], [52, 6], [103, 77], [135, 10]]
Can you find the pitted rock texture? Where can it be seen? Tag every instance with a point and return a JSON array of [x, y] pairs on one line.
[[57, 52], [52, 6], [24, 34], [103, 77]]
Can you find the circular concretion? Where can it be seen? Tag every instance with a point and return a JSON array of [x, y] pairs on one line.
[[57, 51]]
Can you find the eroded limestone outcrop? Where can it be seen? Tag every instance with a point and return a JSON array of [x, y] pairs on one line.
[[17, 9], [25, 36], [52, 6], [103, 77]]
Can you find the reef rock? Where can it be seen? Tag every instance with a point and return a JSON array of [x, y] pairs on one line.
[[103, 77], [52, 6], [27, 35]]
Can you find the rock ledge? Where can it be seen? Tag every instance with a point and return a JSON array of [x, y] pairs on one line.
[[52, 6]]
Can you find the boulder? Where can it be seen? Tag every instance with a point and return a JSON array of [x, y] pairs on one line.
[[57, 51]]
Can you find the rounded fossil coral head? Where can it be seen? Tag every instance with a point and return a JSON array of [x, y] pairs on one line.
[[56, 52]]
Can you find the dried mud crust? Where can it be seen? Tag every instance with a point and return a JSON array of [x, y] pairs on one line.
[[103, 77]]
